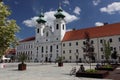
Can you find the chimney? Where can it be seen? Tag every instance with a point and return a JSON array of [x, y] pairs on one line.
[[105, 23], [73, 29]]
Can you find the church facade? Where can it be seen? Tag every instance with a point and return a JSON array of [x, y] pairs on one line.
[[49, 43]]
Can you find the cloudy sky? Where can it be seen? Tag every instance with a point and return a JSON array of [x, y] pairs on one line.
[[79, 13]]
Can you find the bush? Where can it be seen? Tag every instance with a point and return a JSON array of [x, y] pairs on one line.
[[107, 66], [91, 70]]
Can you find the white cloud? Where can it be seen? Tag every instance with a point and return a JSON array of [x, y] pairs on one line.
[[49, 17], [77, 10], [66, 2], [111, 8], [30, 22], [96, 2], [99, 24], [70, 18]]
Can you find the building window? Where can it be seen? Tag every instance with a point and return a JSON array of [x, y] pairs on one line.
[[47, 34], [69, 51], [57, 51], [57, 55], [110, 40], [77, 57], [101, 41], [50, 55], [37, 48], [43, 31], [70, 57], [63, 52], [56, 38], [101, 49], [119, 39], [46, 47], [42, 50], [69, 44], [84, 50], [76, 50], [56, 46], [76, 43], [92, 42], [50, 48], [37, 30], [57, 26], [114, 48], [64, 57], [42, 55], [111, 48], [84, 42], [63, 27], [63, 44], [102, 56]]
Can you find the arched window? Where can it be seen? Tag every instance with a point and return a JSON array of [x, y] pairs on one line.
[[63, 26], [57, 26], [37, 30]]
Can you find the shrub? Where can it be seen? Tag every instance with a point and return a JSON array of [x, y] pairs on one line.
[[91, 70], [107, 66]]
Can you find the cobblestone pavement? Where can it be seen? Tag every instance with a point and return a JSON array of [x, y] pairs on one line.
[[39, 71]]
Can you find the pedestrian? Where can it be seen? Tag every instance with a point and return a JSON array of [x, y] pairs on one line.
[[81, 69]]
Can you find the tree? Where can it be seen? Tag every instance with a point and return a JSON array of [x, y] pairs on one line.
[[114, 55], [22, 58], [8, 28], [89, 48], [106, 50]]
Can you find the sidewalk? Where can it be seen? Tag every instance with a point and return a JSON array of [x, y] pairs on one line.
[[115, 75], [39, 71]]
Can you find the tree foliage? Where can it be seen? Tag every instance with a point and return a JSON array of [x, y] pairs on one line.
[[107, 49], [22, 58], [114, 55], [88, 47], [8, 28]]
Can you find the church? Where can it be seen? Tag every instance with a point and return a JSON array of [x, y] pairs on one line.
[[51, 42]]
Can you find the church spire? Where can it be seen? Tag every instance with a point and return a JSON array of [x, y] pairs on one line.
[[59, 13], [41, 18]]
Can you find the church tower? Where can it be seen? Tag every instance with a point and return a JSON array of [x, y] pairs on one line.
[[40, 26], [59, 24]]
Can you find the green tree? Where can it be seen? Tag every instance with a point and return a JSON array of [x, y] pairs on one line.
[[88, 48], [106, 50], [8, 28]]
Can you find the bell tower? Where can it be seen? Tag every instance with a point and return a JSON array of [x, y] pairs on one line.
[[41, 23], [59, 24]]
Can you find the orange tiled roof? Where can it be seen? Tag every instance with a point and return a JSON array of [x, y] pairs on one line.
[[10, 51], [101, 31], [28, 39]]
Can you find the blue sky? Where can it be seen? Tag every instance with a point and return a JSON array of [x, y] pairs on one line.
[[79, 13]]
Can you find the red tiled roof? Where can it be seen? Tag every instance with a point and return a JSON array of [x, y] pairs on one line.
[[10, 51], [28, 39], [101, 31]]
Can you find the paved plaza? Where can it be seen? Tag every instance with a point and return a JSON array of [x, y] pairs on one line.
[[39, 71]]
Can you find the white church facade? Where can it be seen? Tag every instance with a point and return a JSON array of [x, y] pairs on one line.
[[51, 42]]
